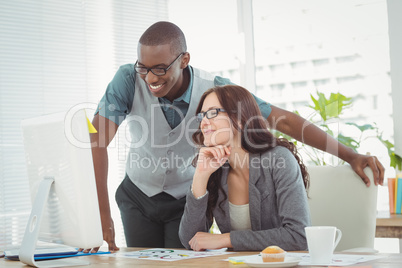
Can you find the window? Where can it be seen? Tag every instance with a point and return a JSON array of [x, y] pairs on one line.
[[277, 86], [299, 84], [346, 59], [277, 70], [375, 102], [277, 90], [320, 62], [298, 64], [321, 82], [55, 55], [346, 79]]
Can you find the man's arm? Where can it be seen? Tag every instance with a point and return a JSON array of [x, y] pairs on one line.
[[99, 141], [304, 131]]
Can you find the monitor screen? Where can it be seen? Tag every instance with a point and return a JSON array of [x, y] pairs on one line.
[[57, 149]]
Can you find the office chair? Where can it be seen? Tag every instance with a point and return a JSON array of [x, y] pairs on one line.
[[338, 197]]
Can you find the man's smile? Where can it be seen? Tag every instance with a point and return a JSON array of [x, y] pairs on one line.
[[155, 88]]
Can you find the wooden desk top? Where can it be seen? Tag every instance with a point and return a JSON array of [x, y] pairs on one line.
[[390, 261], [389, 225], [384, 218]]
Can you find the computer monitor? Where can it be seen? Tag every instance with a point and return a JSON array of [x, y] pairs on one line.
[[61, 176]]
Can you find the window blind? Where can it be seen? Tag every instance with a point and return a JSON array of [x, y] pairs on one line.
[[56, 55]]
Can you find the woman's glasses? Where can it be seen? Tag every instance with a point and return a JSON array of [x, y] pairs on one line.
[[209, 114]]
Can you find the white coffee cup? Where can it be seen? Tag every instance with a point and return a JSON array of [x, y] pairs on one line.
[[321, 243]]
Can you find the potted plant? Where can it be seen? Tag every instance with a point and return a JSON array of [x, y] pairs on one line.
[[326, 115]]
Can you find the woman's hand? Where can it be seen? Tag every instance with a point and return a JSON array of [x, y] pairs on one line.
[[209, 160], [202, 241], [212, 158]]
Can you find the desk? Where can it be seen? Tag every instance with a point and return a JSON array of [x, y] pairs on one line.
[[391, 261], [390, 226]]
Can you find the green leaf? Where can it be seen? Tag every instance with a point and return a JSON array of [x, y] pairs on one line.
[[389, 145], [348, 141], [396, 161], [330, 107], [362, 128], [318, 107], [332, 110], [333, 107]]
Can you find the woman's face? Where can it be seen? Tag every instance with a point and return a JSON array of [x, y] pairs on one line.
[[217, 130]]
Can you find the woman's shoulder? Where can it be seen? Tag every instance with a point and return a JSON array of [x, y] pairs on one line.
[[277, 151], [278, 156], [279, 163]]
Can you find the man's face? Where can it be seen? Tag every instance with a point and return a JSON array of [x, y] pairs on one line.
[[167, 85]]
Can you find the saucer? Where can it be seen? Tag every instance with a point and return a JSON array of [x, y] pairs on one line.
[[257, 262]]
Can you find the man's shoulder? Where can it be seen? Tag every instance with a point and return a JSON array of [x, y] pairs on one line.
[[200, 73], [221, 81], [127, 69], [124, 78], [218, 80]]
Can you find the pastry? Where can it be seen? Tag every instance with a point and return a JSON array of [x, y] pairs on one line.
[[273, 254]]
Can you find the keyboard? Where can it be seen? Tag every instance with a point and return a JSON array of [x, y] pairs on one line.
[[43, 252]]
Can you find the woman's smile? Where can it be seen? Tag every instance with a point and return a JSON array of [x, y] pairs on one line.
[[207, 131]]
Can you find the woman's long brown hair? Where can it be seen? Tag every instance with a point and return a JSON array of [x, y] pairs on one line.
[[246, 118]]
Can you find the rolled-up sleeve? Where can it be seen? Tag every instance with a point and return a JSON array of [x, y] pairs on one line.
[[264, 106], [117, 101]]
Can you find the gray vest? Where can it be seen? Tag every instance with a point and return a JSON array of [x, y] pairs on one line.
[[160, 158]]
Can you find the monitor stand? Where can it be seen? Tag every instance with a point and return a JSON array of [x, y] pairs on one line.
[[27, 250]]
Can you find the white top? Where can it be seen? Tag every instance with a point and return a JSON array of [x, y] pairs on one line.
[[239, 217]]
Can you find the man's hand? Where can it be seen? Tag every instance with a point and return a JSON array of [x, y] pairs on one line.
[[108, 236], [203, 241], [100, 141], [359, 162]]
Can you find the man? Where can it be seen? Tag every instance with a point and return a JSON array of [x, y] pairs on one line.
[[158, 96]]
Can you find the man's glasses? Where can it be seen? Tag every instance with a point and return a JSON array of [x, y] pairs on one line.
[[155, 71], [209, 114]]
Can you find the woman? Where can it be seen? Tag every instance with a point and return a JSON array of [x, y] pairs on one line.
[[252, 183]]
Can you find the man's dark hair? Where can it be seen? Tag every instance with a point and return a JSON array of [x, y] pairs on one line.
[[164, 32]]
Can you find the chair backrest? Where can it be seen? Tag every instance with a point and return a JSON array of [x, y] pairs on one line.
[[338, 197]]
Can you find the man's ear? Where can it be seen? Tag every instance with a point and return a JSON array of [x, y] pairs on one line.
[[185, 59]]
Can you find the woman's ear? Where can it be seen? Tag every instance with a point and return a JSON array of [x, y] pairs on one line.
[[240, 125], [237, 129]]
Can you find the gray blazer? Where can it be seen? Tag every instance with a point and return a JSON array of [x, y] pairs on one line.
[[278, 206]]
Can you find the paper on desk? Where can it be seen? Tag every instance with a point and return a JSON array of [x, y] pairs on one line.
[[337, 259], [165, 254], [353, 266]]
